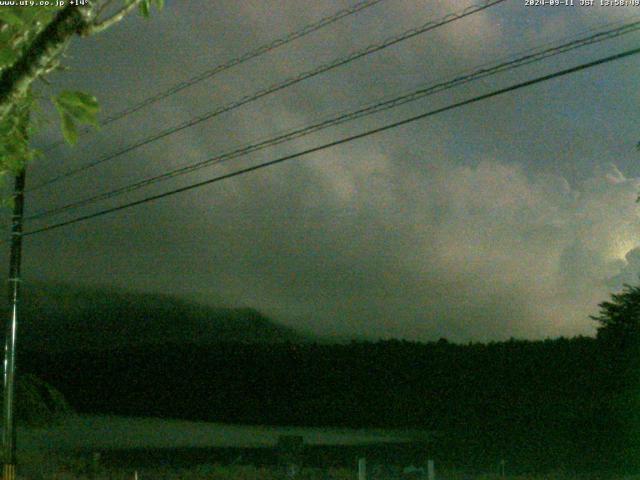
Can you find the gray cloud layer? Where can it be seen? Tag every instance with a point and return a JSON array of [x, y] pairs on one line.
[[509, 218]]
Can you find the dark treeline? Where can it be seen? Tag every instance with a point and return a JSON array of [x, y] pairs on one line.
[[563, 403]]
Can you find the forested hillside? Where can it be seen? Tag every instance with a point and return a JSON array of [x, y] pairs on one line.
[[58, 318], [542, 403]]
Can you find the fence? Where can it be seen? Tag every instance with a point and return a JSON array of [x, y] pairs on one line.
[[290, 459]]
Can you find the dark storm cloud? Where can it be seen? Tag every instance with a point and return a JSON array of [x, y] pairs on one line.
[[502, 219]]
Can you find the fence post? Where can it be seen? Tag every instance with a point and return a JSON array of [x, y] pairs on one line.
[[431, 470], [362, 468], [502, 467]]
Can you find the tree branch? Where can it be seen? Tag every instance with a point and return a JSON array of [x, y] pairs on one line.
[[48, 44], [97, 27], [103, 8]]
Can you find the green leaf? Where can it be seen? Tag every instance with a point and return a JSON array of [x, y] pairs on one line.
[[6, 35], [81, 100], [145, 8], [159, 4], [80, 106], [7, 56], [6, 126], [69, 129], [11, 16], [75, 107], [21, 16]]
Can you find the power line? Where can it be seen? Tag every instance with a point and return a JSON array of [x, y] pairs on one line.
[[261, 50], [431, 25], [476, 74], [375, 108], [341, 141]]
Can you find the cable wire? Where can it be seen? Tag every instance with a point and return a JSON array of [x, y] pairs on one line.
[[261, 50], [341, 141], [431, 25], [353, 115]]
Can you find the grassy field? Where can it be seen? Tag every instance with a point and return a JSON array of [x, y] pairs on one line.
[[48, 453], [109, 432], [257, 473], [53, 467]]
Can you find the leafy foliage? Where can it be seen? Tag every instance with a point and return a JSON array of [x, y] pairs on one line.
[[76, 107], [619, 318], [19, 27], [145, 6], [14, 132]]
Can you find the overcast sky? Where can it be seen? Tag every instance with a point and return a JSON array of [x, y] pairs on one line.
[[514, 216]]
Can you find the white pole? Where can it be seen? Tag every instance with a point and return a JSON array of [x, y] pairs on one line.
[[135, 475], [362, 469], [431, 470]]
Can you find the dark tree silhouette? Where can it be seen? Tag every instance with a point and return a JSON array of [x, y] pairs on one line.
[[619, 318]]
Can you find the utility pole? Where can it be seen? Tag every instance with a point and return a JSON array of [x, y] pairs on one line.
[[8, 427]]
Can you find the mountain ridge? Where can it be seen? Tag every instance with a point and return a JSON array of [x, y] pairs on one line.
[[61, 317]]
